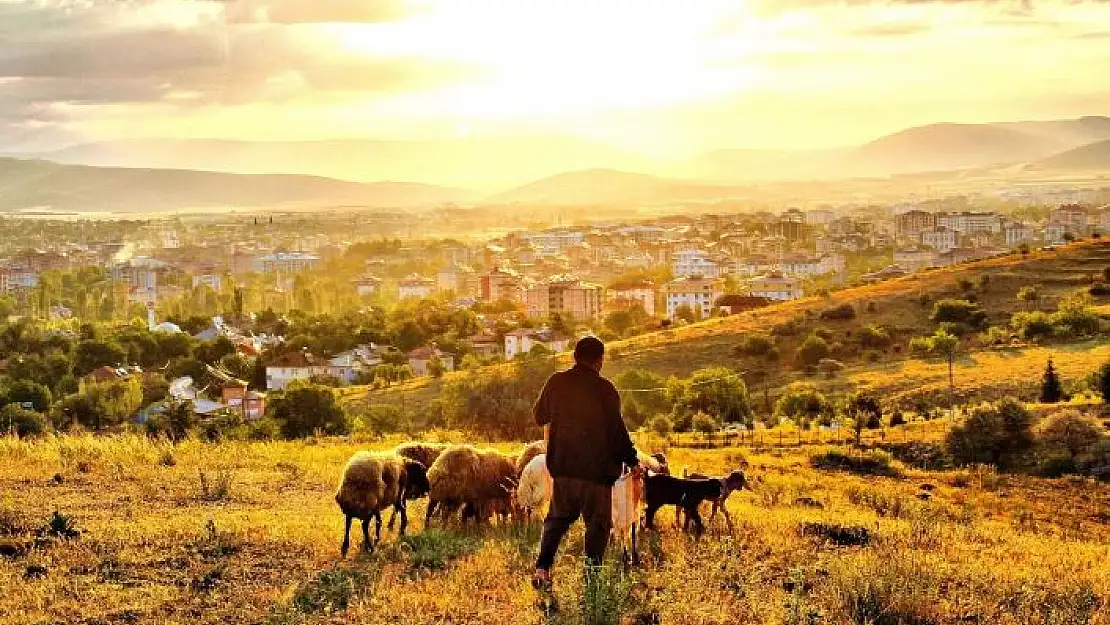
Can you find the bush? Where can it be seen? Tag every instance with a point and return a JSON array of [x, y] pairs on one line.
[[25, 423], [1057, 465], [788, 328], [829, 367], [716, 391], [874, 462], [920, 455], [704, 423], [306, 410], [958, 311], [813, 350], [1069, 433], [843, 312], [661, 425], [383, 419], [1100, 289], [993, 434], [802, 402], [755, 345], [1032, 325], [873, 337]]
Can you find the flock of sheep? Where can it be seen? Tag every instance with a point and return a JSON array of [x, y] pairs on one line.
[[479, 484]]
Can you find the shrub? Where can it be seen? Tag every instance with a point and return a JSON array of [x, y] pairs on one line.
[[920, 454], [993, 434], [829, 367], [788, 328], [1032, 325], [813, 350], [716, 391], [25, 423], [843, 312], [958, 311], [661, 425], [873, 337], [704, 423], [874, 462], [1100, 289], [1070, 433], [802, 402], [755, 345], [1052, 391], [303, 411]]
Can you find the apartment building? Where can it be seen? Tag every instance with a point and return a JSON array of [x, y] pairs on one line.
[[698, 292], [569, 298]]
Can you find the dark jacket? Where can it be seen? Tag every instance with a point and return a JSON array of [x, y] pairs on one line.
[[588, 440]]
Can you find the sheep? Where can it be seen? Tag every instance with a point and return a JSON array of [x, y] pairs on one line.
[[372, 482], [465, 476], [664, 490], [530, 451], [734, 481], [425, 454], [534, 488]]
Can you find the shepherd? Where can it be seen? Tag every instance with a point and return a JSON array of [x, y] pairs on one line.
[[588, 448]]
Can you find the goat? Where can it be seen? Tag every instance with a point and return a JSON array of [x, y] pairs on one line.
[[734, 481], [628, 496], [686, 493]]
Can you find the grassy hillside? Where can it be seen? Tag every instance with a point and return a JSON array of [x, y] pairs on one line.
[[897, 307], [241, 533]]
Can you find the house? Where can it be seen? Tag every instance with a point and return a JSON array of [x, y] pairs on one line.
[[458, 279], [914, 258], [415, 286], [485, 345], [694, 263], [697, 292], [939, 238], [522, 341], [775, 287], [210, 280], [567, 297], [627, 295], [421, 358], [367, 285], [293, 366], [250, 404], [1055, 233], [1018, 233], [288, 262], [1071, 216], [501, 284]]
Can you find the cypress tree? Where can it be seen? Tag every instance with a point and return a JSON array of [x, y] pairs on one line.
[[1051, 389]]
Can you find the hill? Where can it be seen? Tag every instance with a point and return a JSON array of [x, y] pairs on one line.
[[26, 184], [902, 307], [488, 163], [1091, 156], [606, 186]]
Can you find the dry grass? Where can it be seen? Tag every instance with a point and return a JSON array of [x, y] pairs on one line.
[[157, 546]]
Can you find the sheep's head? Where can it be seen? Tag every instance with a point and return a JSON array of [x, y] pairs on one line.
[[737, 481], [417, 477], [661, 458]]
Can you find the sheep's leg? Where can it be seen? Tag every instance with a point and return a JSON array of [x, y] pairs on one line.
[[728, 517], [650, 517], [428, 514], [404, 518], [699, 527], [392, 518], [367, 546], [635, 547], [346, 537], [377, 527]]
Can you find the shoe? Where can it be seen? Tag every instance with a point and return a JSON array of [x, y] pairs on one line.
[[541, 580]]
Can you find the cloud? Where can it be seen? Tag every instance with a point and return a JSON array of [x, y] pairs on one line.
[[315, 11]]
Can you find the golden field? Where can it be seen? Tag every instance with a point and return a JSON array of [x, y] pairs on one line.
[[241, 532]]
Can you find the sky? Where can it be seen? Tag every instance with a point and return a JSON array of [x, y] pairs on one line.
[[648, 76]]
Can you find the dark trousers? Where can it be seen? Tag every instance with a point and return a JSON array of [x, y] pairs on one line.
[[571, 499]]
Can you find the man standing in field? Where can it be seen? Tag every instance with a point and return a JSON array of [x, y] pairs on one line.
[[587, 444]]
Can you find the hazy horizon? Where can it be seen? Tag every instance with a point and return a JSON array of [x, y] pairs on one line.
[[654, 78]]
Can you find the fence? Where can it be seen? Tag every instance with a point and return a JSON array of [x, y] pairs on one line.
[[793, 437]]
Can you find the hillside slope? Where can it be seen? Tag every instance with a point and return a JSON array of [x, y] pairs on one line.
[[897, 307], [40, 184], [1091, 156]]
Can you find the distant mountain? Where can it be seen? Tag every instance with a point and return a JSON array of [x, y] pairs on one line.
[[28, 184], [934, 147], [488, 163], [1088, 157], [607, 186]]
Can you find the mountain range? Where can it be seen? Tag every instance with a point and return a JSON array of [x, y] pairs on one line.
[[176, 174]]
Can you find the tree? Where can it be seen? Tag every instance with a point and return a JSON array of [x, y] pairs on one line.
[[90, 354], [685, 313], [1030, 295], [944, 344], [21, 422], [436, 367], [1070, 432], [661, 425], [306, 410], [1103, 379], [114, 401], [258, 375], [27, 392], [716, 391], [650, 402], [865, 412], [704, 424], [802, 402], [1051, 389], [958, 311], [993, 434]]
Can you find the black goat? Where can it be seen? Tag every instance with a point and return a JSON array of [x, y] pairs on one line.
[[687, 494]]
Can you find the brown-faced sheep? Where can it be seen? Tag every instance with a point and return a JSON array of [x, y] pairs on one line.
[[373, 482], [425, 454], [465, 476]]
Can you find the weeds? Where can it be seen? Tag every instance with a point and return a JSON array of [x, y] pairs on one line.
[[217, 488], [874, 462], [433, 549]]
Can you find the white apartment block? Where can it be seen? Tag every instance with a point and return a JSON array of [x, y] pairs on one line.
[[940, 238], [775, 287], [689, 263], [699, 293], [968, 222]]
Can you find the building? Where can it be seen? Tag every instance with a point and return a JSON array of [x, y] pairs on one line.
[[775, 287], [250, 404], [555, 242], [625, 296], [914, 258], [568, 298], [210, 280], [1071, 216], [698, 292], [1055, 233], [1018, 233], [458, 279], [367, 285], [939, 238], [912, 222], [420, 360], [820, 217], [485, 345], [523, 341], [140, 274], [694, 263], [810, 266], [293, 366], [970, 222], [288, 262], [415, 286], [501, 285]]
